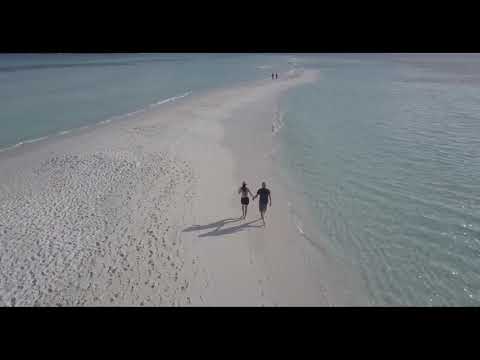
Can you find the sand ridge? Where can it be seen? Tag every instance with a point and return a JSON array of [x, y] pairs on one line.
[[100, 218]]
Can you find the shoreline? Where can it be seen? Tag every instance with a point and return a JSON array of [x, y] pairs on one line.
[[346, 287], [145, 110], [91, 126], [331, 282], [112, 216]]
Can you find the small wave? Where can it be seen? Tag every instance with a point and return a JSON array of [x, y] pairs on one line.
[[131, 113], [263, 67], [20, 143], [35, 140], [12, 147], [296, 219], [65, 132], [300, 229], [173, 98], [139, 111], [298, 224]]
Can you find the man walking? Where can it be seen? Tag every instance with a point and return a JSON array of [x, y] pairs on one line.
[[264, 194]]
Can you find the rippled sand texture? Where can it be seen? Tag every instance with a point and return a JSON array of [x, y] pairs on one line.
[[94, 229]]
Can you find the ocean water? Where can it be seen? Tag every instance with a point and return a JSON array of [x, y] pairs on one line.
[[46, 94], [386, 148]]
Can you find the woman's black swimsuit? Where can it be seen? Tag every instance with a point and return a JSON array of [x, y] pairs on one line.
[[244, 199]]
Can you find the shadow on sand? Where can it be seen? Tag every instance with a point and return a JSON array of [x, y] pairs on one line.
[[219, 224]]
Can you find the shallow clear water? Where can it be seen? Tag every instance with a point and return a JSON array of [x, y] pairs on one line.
[[41, 94], [387, 148]]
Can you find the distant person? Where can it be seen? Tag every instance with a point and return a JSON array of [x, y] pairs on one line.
[[244, 199], [264, 194], [272, 76], [276, 76]]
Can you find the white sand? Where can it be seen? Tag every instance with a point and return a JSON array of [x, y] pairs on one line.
[[125, 213]]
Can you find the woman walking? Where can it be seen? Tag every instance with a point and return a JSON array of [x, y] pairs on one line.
[[244, 199]]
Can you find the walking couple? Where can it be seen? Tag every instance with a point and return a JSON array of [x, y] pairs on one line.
[[264, 194]]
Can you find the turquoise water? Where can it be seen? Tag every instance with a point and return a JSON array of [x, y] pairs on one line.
[[42, 94], [387, 148]]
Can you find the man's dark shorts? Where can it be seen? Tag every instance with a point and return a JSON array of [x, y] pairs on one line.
[[262, 206]]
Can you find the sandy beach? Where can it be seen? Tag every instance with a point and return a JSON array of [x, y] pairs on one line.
[[144, 211]]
